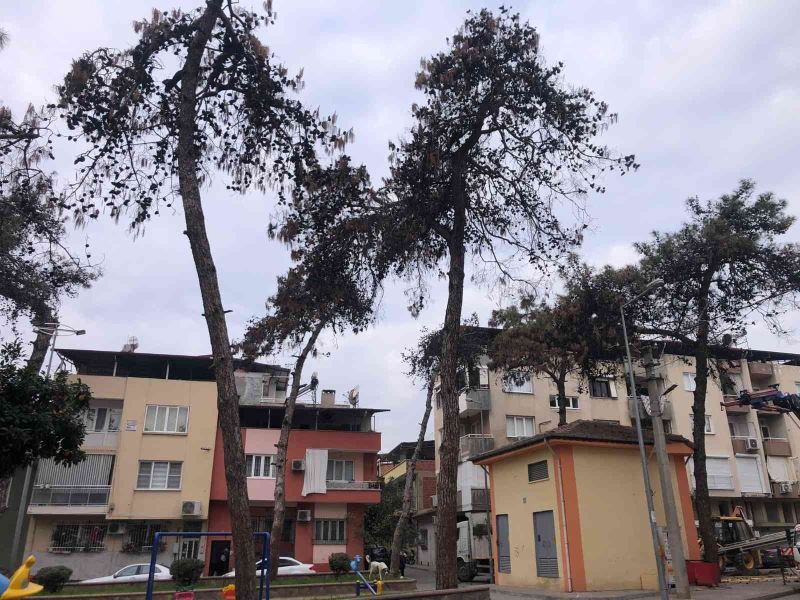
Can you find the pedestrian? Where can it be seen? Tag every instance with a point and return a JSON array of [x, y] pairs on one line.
[[402, 564]]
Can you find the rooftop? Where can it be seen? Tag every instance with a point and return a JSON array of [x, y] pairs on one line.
[[404, 450], [582, 430]]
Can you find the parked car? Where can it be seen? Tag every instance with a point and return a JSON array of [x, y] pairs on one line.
[[138, 572], [286, 566]]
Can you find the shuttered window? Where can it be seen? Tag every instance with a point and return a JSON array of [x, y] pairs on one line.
[[538, 471]]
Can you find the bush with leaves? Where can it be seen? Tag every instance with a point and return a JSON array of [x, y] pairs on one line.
[[53, 578], [339, 563], [186, 571]]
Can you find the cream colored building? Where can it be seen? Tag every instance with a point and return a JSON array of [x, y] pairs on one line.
[[753, 454], [151, 432]]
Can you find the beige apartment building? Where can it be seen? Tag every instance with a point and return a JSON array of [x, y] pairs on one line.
[[752, 454]]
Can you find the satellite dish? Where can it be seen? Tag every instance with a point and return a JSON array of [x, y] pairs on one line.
[[352, 396]]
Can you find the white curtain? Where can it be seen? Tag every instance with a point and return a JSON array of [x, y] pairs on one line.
[[316, 471]]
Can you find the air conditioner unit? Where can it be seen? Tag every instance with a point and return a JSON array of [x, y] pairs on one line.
[[752, 444], [116, 528], [298, 464], [303, 516], [786, 487], [191, 508]]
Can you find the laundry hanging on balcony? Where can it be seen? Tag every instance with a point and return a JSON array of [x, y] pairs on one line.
[[314, 481]]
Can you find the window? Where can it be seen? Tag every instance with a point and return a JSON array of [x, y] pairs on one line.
[[159, 475], [329, 531], [572, 402], [718, 470], [265, 388], [78, 537], [524, 386], [5, 492], [689, 384], [518, 427], [140, 536], [788, 517], [603, 388], [765, 432], [709, 426], [423, 538], [261, 524], [260, 465], [773, 516], [340, 470], [166, 419], [103, 419], [538, 471], [281, 383]]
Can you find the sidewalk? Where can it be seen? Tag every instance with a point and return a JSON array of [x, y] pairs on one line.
[[752, 591]]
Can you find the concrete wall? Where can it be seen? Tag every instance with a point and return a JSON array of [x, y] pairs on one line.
[[8, 521]]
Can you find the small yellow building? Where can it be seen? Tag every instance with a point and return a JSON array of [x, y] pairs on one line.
[[570, 513]]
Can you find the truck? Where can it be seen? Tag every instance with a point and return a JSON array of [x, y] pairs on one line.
[[474, 549]]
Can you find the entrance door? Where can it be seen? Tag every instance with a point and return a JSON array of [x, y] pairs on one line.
[[503, 545], [544, 533], [220, 557]]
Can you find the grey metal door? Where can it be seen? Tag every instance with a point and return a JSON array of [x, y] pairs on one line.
[[544, 533], [503, 545]]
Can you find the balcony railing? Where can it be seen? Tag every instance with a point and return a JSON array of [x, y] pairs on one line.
[[777, 447], [473, 400], [352, 485], [474, 443], [759, 368], [70, 495]]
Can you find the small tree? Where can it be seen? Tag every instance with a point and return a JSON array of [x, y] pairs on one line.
[[723, 269], [186, 572], [197, 96], [39, 417], [52, 579], [339, 564], [497, 144]]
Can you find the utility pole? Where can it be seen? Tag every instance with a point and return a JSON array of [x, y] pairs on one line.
[[654, 390]]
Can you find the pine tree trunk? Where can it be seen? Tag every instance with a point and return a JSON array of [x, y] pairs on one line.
[[446, 533], [42, 341], [408, 491], [279, 512], [227, 397], [702, 499], [562, 400]]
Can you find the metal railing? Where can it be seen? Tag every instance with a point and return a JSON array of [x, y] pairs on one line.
[[78, 537], [474, 443], [352, 485], [70, 495], [472, 400]]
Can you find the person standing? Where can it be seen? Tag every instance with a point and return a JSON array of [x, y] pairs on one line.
[[402, 564]]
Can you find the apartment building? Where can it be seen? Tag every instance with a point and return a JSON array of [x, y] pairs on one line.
[[752, 453], [331, 476], [150, 448]]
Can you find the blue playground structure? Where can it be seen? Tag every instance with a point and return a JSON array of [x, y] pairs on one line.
[[363, 584], [263, 586]]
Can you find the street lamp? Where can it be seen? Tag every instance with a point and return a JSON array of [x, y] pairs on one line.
[[648, 488], [53, 329]]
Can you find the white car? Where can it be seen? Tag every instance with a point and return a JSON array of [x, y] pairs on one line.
[[138, 572], [286, 566]]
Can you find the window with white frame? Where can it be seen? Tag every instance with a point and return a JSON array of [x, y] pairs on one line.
[[709, 426], [689, 384], [340, 470], [719, 474], [260, 466], [518, 427], [329, 531], [571, 402], [513, 385], [103, 419], [602, 387], [166, 419], [281, 383], [159, 475]]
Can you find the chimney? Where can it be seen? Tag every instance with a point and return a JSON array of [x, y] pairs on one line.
[[328, 398]]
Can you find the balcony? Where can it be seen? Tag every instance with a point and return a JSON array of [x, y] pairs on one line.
[[761, 369], [474, 443], [777, 447], [473, 400], [352, 485], [785, 489], [101, 439], [735, 409], [69, 499], [740, 445]]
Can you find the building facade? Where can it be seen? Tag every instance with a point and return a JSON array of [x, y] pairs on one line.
[[752, 453]]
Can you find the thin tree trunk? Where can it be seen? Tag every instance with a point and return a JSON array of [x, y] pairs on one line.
[[227, 397], [446, 553], [279, 512], [408, 491], [42, 341], [562, 400], [702, 499]]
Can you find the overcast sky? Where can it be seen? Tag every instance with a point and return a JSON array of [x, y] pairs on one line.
[[707, 93]]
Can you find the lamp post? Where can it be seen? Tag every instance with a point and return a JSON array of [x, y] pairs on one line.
[[648, 488], [51, 329]]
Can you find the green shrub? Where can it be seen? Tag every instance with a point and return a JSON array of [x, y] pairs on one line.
[[186, 571], [339, 563], [53, 578]]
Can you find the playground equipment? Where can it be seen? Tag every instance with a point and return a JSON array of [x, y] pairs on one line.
[[263, 586], [19, 585], [363, 584]]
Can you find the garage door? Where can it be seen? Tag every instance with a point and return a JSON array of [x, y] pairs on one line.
[[751, 478]]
